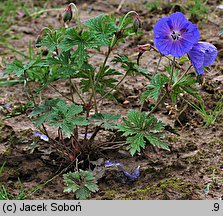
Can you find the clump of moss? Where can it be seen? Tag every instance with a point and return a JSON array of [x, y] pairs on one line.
[[109, 195], [170, 188]]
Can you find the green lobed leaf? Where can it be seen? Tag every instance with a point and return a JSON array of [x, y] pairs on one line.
[[74, 110], [156, 85], [92, 186], [103, 27], [155, 141], [57, 113], [185, 84], [51, 39], [83, 193], [105, 120], [82, 183], [15, 67], [135, 142], [138, 127], [80, 42]]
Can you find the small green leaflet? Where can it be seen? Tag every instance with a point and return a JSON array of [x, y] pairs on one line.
[[155, 87], [130, 66], [44, 110], [18, 68], [51, 39], [105, 120]]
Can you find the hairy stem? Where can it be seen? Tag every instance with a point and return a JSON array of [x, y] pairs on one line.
[[93, 93], [60, 92], [110, 47], [76, 90], [113, 87]]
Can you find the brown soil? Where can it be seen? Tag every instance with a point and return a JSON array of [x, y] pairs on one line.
[[196, 156]]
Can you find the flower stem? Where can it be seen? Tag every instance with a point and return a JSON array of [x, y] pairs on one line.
[[29, 91], [130, 12], [158, 103], [86, 128], [172, 70], [114, 87], [111, 45], [76, 90], [158, 64], [76, 13], [93, 95], [60, 92], [182, 76]]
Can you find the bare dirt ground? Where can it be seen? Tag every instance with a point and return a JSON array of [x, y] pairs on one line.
[[196, 157]]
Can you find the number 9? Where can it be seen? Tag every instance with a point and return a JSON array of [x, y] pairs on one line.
[[216, 206]]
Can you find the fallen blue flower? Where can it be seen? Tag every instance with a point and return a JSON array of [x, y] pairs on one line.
[[134, 175], [109, 163], [8, 106], [201, 55], [175, 35], [83, 135], [41, 136]]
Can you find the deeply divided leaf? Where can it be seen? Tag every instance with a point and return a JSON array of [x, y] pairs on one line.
[[141, 129]]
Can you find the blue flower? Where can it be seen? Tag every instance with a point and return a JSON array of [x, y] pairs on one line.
[[175, 35], [201, 55], [41, 136], [110, 163], [134, 175]]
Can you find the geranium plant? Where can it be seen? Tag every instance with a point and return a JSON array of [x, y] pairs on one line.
[[77, 115]]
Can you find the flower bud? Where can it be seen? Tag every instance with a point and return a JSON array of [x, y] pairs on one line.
[[144, 48], [137, 24], [141, 49], [67, 16]]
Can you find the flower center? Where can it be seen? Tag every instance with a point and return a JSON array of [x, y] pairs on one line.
[[175, 35]]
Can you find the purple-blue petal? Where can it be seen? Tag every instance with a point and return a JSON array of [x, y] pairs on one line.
[[162, 45], [161, 28], [178, 20], [130, 176], [137, 171], [134, 175], [190, 33], [175, 35], [8, 106], [196, 56], [109, 163], [41, 136], [83, 134], [210, 54], [200, 70], [201, 55]]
